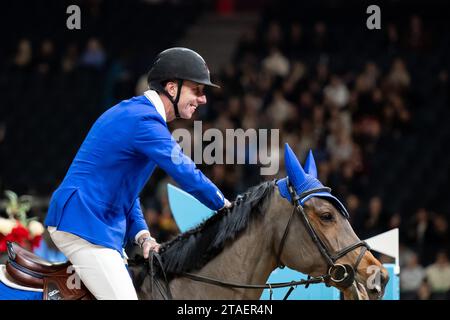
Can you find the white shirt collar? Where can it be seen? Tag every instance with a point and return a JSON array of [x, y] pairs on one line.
[[155, 99]]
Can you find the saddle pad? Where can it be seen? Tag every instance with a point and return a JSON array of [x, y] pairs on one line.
[[13, 285], [13, 291]]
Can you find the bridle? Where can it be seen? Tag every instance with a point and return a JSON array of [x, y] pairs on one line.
[[341, 274]]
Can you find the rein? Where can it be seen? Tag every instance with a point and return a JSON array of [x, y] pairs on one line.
[[270, 286], [337, 273]]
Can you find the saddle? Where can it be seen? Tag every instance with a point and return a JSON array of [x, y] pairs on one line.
[[29, 270]]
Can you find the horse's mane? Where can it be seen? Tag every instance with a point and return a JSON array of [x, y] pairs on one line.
[[193, 249]]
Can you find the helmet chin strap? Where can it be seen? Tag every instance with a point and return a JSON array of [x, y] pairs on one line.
[[177, 98], [158, 87]]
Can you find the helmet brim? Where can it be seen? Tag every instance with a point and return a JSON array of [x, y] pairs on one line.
[[209, 84], [213, 85]]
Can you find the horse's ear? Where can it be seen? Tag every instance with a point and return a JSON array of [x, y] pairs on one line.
[[294, 170], [310, 165]]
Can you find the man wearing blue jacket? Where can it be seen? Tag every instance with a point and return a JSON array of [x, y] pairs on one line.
[[96, 211]]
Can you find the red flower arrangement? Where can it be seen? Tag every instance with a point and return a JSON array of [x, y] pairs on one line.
[[20, 235], [18, 228]]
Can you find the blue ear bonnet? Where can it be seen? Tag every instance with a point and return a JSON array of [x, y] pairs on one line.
[[304, 180]]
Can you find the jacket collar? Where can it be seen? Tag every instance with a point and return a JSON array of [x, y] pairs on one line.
[[155, 100]]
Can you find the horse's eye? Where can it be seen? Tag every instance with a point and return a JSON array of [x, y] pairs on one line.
[[327, 216]]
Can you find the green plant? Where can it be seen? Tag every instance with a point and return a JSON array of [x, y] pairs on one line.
[[17, 207]]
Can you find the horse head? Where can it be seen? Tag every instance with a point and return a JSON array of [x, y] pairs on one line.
[[314, 235]]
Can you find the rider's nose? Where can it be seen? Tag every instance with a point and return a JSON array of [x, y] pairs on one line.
[[201, 100]]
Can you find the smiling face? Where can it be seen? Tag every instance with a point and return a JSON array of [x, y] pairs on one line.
[[191, 97]]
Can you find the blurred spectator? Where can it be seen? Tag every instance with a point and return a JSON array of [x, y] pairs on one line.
[[336, 92], [252, 107], [70, 58], [24, 54], [306, 104], [94, 55], [419, 233], [346, 181], [2, 131], [440, 231], [234, 111], [279, 110], [324, 168], [307, 139], [398, 77], [296, 43], [371, 74], [46, 59], [340, 146], [321, 41], [274, 35], [374, 222], [396, 116], [411, 278], [395, 221], [438, 276], [392, 39], [318, 121], [417, 38], [406, 254], [424, 291], [354, 210], [322, 76], [276, 63]]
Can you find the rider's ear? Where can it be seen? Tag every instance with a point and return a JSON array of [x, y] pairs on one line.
[[171, 88]]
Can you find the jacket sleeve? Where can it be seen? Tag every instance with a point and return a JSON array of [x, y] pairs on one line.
[[135, 221], [153, 139]]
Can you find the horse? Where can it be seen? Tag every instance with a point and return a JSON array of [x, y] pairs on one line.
[[294, 222], [262, 231]]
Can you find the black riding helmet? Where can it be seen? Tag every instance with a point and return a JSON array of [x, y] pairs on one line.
[[180, 64]]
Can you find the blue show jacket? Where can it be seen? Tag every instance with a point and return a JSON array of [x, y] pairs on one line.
[[98, 199]]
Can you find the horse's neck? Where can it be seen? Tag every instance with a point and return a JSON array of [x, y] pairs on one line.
[[247, 260]]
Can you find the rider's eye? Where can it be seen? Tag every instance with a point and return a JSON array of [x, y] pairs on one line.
[[327, 216], [199, 91]]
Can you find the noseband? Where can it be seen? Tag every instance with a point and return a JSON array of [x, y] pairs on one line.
[[341, 274]]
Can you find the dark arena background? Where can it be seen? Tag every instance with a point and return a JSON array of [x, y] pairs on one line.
[[372, 104]]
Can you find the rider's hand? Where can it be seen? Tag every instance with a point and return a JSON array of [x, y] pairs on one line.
[[147, 243], [227, 204]]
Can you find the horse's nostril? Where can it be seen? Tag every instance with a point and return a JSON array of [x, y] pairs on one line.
[[376, 292], [384, 278]]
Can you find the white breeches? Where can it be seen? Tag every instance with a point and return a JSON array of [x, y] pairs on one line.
[[102, 270]]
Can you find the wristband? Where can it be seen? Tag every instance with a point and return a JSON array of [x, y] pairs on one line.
[[141, 243]]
